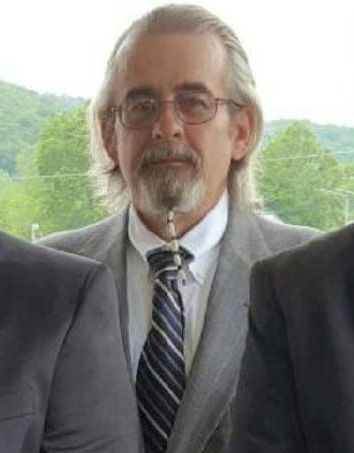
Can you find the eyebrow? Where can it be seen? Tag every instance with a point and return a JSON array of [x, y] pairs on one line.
[[181, 88], [141, 91], [192, 86]]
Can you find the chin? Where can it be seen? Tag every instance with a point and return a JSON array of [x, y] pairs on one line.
[[182, 199]]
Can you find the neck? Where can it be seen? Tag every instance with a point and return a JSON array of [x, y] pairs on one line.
[[158, 224], [183, 221]]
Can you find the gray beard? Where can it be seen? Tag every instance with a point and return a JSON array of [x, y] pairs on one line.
[[160, 191]]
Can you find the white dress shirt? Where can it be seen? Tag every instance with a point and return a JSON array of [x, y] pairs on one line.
[[204, 242]]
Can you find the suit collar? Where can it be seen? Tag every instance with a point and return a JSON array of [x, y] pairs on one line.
[[245, 236]]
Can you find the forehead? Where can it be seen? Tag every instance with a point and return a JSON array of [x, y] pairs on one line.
[[164, 62]]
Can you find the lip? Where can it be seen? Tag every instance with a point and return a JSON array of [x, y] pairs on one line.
[[169, 162]]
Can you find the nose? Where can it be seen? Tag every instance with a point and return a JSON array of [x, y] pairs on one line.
[[168, 126]]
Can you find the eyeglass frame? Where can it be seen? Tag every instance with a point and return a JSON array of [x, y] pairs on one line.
[[222, 101]]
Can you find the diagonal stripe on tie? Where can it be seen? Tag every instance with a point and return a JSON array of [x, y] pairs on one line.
[[161, 288], [155, 434], [166, 373], [168, 324], [161, 380], [153, 375], [170, 345], [162, 306], [156, 347], [162, 399]]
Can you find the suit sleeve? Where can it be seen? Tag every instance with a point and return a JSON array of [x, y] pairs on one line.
[[267, 416], [92, 408]]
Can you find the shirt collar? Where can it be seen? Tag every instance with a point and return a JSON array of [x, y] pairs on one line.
[[202, 240]]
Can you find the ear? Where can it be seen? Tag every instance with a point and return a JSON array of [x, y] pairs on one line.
[[242, 127], [109, 137]]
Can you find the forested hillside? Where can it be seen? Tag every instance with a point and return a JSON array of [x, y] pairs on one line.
[[338, 139], [22, 115]]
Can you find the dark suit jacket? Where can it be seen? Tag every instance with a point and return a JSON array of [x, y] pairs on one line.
[[296, 390], [61, 356]]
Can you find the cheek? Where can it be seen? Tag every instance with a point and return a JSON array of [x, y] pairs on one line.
[[214, 144], [130, 146], [197, 138], [124, 154]]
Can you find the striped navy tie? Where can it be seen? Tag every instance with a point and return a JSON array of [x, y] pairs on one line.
[[161, 377]]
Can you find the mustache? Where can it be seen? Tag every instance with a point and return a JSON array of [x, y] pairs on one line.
[[161, 151]]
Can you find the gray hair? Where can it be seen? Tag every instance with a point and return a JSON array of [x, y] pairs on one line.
[[110, 184]]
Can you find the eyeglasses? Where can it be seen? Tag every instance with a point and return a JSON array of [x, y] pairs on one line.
[[192, 108]]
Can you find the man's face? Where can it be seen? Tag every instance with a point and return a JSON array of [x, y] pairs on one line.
[[170, 164]]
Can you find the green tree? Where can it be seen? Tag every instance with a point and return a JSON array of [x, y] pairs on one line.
[[299, 179], [18, 208], [61, 158], [22, 114]]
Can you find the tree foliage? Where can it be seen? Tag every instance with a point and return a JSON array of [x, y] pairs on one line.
[[53, 189], [61, 157], [22, 115], [338, 139], [299, 179]]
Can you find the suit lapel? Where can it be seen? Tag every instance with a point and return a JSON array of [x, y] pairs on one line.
[[213, 377], [114, 255]]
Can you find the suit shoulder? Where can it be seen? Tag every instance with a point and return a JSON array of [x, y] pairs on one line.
[[40, 286], [282, 236], [92, 238], [41, 263], [317, 255]]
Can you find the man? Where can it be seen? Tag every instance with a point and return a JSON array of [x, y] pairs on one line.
[[174, 130], [63, 378], [296, 390]]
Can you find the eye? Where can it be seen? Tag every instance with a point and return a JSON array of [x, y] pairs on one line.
[[194, 101], [141, 105]]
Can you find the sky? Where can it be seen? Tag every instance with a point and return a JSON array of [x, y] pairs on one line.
[[301, 52]]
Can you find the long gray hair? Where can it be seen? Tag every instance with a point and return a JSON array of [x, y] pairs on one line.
[[109, 182]]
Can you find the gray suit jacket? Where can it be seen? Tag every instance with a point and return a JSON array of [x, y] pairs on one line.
[[60, 350], [204, 420]]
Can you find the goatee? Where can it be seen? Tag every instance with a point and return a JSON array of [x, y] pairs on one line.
[[163, 187]]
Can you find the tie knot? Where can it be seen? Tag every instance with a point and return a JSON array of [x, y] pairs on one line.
[[162, 260]]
